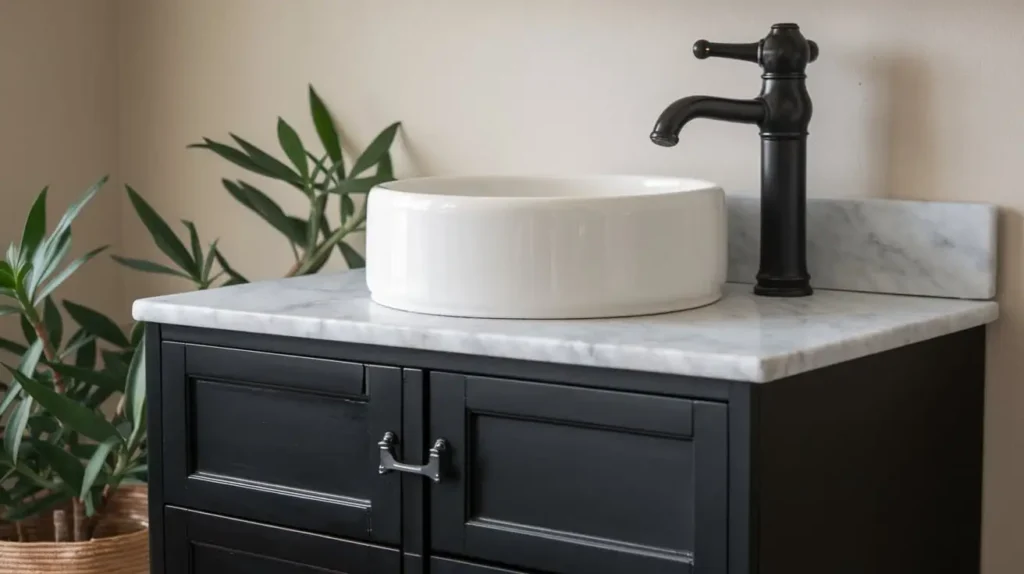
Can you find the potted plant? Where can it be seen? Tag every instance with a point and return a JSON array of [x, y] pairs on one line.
[[73, 466], [65, 458]]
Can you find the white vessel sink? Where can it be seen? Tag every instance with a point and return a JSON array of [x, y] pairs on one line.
[[546, 247]]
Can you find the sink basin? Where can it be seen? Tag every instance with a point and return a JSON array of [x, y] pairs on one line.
[[545, 247]]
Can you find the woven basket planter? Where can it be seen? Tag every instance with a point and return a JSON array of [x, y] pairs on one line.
[[121, 545]]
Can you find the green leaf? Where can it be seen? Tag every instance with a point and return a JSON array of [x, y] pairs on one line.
[[7, 279], [90, 505], [208, 265], [233, 155], [325, 128], [274, 167], [197, 248], [360, 185], [85, 356], [139, 329], [165, 239], [99, 379], [376, 151], [35, 226], [46, 259], [54, 322], [14, 259], [65, 464], [97, 323], [9, 310], [266, 208], [148, 266], [135, 387], [95, 465], [385, 168], [83, 450], [141, 469], [352, 257], [29, 360], [348, 207], [15, 431], [12, 347], [27, 330], [42, 423], [292, 146], [36, 506], [27, 366], [68, 271], [72, 414], [235, 276], [75, 208]]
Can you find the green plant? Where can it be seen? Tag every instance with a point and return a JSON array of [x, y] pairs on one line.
[[319, 177], [60, 447]]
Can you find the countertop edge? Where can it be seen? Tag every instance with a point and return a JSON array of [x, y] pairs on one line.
[[673, 361]]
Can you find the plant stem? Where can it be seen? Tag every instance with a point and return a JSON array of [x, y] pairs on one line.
[[50, 353], [20, 531], [78, 519], [60, 526]]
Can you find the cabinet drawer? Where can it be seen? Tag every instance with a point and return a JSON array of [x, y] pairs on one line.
[[281, 439], [578, 481], [200, 543]]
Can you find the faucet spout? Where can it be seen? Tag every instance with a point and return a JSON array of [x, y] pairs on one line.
[[679, 113]]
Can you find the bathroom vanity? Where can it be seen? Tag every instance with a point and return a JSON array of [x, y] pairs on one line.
[[297, 427]]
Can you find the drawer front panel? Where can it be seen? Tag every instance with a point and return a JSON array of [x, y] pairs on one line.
[[578, 481], [582, 480], [200, 543], [288, 438], [271, 438]]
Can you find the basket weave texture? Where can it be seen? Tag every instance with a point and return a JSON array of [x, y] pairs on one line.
[[121, 545]]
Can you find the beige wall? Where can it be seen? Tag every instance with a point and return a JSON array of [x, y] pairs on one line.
[[58, 118], [911, 102]]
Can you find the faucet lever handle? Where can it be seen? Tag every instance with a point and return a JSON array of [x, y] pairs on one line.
[[703, 49]]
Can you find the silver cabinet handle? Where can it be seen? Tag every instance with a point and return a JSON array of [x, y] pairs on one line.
[[431, 470]]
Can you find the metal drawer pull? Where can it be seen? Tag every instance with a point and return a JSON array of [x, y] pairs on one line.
[[431, 470]]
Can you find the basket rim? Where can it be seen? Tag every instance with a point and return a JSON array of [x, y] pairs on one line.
[[116, 539]]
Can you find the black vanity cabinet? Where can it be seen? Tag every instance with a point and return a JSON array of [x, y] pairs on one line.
[[282, 455]]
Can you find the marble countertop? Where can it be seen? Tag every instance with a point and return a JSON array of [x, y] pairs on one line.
[[742, 337]]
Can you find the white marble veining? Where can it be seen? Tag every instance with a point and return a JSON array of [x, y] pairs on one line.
[[742, 337], [938, 249]]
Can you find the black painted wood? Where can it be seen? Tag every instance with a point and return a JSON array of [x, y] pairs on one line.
[[873, 465], [286, 448], [449, 566], [201, 543], [155, 451], [571, 375], [413, 450], [578, 480]]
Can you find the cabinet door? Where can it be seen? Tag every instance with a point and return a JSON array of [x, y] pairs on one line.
[[578, 481], [199, 543], [281, 439]]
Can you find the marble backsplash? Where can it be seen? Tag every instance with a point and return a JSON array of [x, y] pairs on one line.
[[938, 249]]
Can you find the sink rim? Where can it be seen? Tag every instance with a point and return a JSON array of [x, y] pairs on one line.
[[622, 187]]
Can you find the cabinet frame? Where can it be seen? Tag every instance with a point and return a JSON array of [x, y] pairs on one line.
[[926, 399]]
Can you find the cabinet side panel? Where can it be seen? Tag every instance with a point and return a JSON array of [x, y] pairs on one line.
[[874, 465], [155, 453]]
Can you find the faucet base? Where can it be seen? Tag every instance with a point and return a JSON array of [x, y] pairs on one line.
[[783, 288]]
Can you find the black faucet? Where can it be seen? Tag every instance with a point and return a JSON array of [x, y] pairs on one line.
[[782, 111]]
